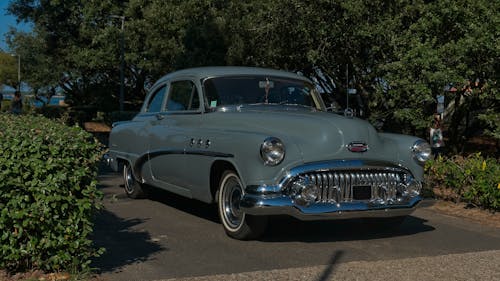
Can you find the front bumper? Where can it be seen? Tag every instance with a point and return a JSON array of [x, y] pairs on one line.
[[342, 189], [260, 205]]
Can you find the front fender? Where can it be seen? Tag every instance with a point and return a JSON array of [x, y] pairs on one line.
[[403, 144], [245, 149]]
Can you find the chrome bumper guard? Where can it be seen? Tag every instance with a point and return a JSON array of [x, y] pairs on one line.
[[337, 190], [284, 205]]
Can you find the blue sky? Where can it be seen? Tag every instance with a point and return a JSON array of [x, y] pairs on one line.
[[7, 21]]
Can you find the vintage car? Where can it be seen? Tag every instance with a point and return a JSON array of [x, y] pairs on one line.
[[260, 142]]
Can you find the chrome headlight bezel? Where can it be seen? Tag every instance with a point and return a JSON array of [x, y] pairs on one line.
[[272, 151], [421, 151]]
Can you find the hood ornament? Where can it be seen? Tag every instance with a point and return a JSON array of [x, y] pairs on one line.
[[357, 146]]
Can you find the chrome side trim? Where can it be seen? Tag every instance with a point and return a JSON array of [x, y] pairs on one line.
[[153, 154]]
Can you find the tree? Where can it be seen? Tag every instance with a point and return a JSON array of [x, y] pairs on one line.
[[62, 44], [325, 40], [398, 55], [8, 70], [38, 68], [446, 42]]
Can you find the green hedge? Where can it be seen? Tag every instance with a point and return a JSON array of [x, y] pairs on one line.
[[473, 179], [5, 106], [48, 194]]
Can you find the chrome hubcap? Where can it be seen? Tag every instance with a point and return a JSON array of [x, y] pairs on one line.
[[129, 179], [231, 202]]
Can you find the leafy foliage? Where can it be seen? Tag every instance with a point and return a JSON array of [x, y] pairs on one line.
[[8, 70], [48, 194], [446, 42], [39, 68], [474, 179], [399, 55]]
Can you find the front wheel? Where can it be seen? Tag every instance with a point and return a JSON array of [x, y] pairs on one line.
[[133, 188], [236, 223]]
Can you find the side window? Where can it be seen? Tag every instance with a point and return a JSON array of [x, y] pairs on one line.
[[156, 101], [183, 96]]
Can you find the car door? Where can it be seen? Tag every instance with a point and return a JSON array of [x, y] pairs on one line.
[[144, 121], [171, 134]]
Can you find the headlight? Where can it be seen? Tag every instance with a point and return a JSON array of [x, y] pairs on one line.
[[272, 151], [421, 151]]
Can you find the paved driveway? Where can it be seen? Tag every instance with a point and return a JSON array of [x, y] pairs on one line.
[[167, 236]]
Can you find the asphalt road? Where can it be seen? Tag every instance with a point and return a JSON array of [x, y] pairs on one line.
[[168, 237]]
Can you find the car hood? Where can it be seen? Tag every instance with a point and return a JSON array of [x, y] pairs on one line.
[[317, 135]]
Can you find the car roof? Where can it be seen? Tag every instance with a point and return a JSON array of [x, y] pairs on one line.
[[217, 71]]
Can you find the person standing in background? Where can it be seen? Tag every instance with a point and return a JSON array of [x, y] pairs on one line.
[[16, 105], [436, 138]]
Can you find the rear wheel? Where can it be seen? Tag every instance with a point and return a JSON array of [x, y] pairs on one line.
[[133, 188], [236, 223]]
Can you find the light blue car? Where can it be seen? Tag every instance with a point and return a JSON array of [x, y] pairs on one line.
[[260, 142]]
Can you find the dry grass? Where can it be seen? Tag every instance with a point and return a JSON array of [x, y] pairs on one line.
[[462, 210]]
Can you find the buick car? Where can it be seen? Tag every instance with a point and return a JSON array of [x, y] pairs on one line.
[[261, 142]]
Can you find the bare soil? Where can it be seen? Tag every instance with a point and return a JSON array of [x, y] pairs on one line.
[[96, 127], [462, 210], [34, 275]]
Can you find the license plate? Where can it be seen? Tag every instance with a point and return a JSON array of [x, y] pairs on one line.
[[362, 192]]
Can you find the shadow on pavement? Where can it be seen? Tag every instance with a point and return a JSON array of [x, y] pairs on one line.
[[287, 229], [123, 244], [280, 229], [186, 205], [327, 273]]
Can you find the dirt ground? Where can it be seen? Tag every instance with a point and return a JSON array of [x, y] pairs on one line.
[[461, 210], [34, 275]]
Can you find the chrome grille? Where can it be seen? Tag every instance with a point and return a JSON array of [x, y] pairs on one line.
[[338, 186]]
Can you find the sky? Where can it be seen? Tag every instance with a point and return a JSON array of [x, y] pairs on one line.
[[7, 21]]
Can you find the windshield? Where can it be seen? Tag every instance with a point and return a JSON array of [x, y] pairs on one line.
[[240, 90]]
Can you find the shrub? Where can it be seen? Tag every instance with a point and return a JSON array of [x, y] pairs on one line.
[[5, 106], [48, 194], [51, 111], [473, 179]]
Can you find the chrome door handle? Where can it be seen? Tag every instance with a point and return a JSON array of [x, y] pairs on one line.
[[160, 116]]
